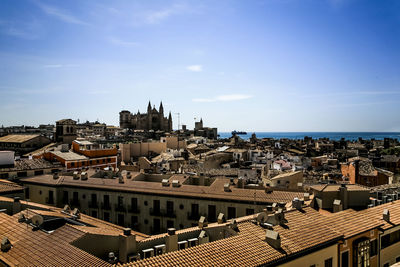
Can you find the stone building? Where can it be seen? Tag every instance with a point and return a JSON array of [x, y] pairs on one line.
[[152, 120], [65, 131]]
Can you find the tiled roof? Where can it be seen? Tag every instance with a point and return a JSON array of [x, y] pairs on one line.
[[376, 213], [214, 191], [249, 247], [37, 248], [29, 164], [336, 187], [8, 187], [17, 138]]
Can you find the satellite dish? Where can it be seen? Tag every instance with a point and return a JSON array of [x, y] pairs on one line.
[[37, 220]]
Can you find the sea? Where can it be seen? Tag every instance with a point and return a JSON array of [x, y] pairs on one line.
[[317, 135]]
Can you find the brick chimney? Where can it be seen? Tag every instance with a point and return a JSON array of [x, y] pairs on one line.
[[171, 240]]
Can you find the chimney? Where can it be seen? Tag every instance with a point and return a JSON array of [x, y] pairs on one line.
[[357, 171], [221, 218], [240, 182], [56, 175], [171, 240], [76, 175], [127, 245], [386, 215], [121, 180], [226, 187], [84, 176], [306, 196], [5, 244], [16, 207], [296, 204], [273, 239], [343, 196], [337, 205]]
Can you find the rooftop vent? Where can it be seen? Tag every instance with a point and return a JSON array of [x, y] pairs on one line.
[[165, 182], [84, 176], [203, 222], [306, 196], [121, 180], [175, 183], [111, 258], [76, 213], [221, 218], [66, 209], [202, 234], [273, 239], [37, 220], [56, 175], [5, 244], [386, 215], [234, 226], [76, 175], [160, 249], [226, 187], [337, 205]]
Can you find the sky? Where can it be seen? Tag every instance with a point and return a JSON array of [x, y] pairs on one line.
[[273, 65]]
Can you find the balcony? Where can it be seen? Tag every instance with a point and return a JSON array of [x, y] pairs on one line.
[[163, 213], [193, 216], [93, 204], [133, 209], [106, 206], [120, 208], [155, 212]]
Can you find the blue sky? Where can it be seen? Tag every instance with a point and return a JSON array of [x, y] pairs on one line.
[[274, 65]]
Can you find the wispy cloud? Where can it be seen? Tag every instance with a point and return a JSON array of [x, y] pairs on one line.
[[162, 14], [60, 14], [119, 42], [195, 68], [28, 31], [223, 98]]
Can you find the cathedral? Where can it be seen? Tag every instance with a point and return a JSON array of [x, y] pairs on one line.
[[152, 120]]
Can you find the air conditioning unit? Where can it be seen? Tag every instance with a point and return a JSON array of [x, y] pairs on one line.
[[76, 175], [133, 257], [193, 242], [160, 249], [165, 182], [147, 253], [84, 176], [182, 244]]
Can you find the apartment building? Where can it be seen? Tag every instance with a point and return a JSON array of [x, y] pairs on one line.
[[152, 203]]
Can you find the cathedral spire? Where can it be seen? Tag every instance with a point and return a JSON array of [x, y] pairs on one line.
[[161, 109], [149, 107]]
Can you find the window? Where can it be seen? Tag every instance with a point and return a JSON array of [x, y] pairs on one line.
[[345, 259], [156, 206], [75, 196], [51, 197], [94, 213], [195, 210], [328, 262], [212, 213], [133, 203], [94, 198], [107, 216], [134, 222], [120, 201], [374, 248], [156, 225], [249, 211], [170, 208], [65, 197], [231, 212], [106, 200], [120, 219], [170, 224]]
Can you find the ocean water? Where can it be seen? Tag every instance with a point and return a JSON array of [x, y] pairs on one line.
[[317, 135]]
